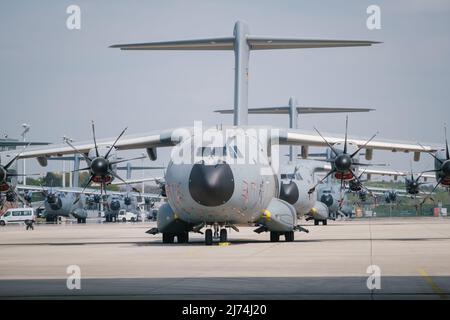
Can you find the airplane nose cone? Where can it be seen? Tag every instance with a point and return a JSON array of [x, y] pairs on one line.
[[343, 162], [211, 185], [446, 168], [289, 192], [55, 203], [115, 205], [327, 199], [100, 166]]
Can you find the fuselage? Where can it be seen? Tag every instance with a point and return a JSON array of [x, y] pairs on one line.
[[220, 183]]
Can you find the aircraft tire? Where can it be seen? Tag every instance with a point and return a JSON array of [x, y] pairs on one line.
[[208, 237], [168, 238], [324, 222], [289, 236], [183, 237], [223, 235], [274, 236], [316, 222]]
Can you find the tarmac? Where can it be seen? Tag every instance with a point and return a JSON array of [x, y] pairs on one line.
[[121, 261]]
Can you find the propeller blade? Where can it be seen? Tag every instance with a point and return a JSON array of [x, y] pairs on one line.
[[126, 183], [328, 144], [15, 158], [364, 145], [86, 158], [447, 153], [95, 141], [431, 154], [82, 191], [326, 176], [125, 160], [114, 144], [434, 189], [346, 130]]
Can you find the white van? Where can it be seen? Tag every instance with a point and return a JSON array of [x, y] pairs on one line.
[[18, 215], [125, 216]]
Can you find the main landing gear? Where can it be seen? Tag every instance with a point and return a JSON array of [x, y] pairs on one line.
[[182, 237], [81, 220], [316, 222], [275, 236]]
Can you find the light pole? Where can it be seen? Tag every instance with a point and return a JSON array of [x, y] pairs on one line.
[[142, 164], [26, 128]]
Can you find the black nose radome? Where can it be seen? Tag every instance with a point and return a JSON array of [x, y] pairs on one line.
[[289, 192], [327, 199], [100, 166], [211, 185], [56, 203], [10, 197], [343, 162], [446, 168], [115, 205]]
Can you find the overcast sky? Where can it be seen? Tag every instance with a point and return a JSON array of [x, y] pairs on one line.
[[57, 79]]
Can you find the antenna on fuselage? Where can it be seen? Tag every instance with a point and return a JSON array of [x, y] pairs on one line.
[[242, 43]]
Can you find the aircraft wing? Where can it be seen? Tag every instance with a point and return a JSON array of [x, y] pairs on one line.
[[165, 138], [134, 181], [393, 173], [297, 137]]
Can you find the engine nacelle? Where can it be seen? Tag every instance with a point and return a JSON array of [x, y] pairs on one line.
[[319, 211], [168, 221], [279, 216]]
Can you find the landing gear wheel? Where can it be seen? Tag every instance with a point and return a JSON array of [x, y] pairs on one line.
[[183, 237], [316, 222], [289, 236], [78, 220], [223, 235], [168, 238], [324, 222], [274, 236], [208, 237]]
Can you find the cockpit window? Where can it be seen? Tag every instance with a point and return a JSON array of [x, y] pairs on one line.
[[287, 176], [233, 152]]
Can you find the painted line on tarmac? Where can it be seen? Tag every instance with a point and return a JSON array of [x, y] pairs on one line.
[[436, 289]]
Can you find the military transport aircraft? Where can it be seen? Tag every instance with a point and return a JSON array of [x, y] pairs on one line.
[[222, 176], [295, 185]]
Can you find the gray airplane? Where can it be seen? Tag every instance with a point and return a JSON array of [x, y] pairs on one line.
[[294, 184], [222, 176]]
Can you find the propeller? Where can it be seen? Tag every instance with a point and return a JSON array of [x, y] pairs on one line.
[[343, 162], [442, 166], [100, 166]]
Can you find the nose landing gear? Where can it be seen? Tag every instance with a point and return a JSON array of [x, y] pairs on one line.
[[219, 233]]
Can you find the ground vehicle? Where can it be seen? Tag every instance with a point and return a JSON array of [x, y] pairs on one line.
[[18, 215], [125, 216]]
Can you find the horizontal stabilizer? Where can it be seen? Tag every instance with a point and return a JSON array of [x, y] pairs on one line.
[[300, 110], [267, 43], [254, 42], [199, 44]]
